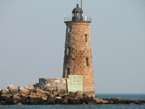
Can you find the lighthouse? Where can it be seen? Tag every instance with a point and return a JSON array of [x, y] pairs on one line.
[[77, 54]]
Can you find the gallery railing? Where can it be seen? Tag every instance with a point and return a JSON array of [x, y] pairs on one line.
[[78, 19]]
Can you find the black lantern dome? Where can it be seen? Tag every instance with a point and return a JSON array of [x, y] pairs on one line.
[[77, 14], [77, 10]]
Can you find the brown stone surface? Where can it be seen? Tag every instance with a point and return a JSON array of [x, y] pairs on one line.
[[21, 89], [35, 97], [30, 86], [6, 96], [101, 101], [23, 94], [17, 97], [3, 91], [19, 103], [41, 91], [11, 87], [78, 57]]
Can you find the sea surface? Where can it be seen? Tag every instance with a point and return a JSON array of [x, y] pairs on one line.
[[97, 106]]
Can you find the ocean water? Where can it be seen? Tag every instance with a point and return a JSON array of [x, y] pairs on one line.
[[123, 96], [97, 106]]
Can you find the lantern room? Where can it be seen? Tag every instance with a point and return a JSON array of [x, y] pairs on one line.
[[77, 14]]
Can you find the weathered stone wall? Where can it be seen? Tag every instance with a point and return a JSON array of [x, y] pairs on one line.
[[78, 57], [52, 84]]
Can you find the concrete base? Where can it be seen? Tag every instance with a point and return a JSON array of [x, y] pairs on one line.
[[52, 84]]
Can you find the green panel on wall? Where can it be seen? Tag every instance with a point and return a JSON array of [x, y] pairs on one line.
[[75, 83]]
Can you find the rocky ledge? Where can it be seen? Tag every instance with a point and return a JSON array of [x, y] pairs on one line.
[[32, 96]]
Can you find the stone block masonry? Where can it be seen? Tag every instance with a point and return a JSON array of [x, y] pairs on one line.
[[78, 57]]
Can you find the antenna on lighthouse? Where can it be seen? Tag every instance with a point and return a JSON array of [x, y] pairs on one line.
[[81, 3]]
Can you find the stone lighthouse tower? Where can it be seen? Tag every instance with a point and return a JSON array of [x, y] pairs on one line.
[[78, 57]]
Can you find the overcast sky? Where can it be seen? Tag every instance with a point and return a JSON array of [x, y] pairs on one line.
[[32, 38]]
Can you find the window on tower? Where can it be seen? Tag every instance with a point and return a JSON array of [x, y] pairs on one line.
[[68, 38], [69, 29], [85, 37], [67, 72], [68, 51], [87, 63]]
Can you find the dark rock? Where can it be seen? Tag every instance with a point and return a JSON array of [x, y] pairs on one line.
[[17, 97], [55, 93], [85, 100], [100, 103], [138, 102], [6, 96], [58, 101], [71, 101], [141, 101], [6, 99], [25, 100], [78, 101], [72, 95], [110, 101], [117, 98], [36, 85], [63, 92], [85, 96], [51, 100], [92, 101], [38, 96], [65, 101], [3, 102], [13, 91], [23, 95], [15, 102], [125, 101], [33, 100], [116, 102]]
